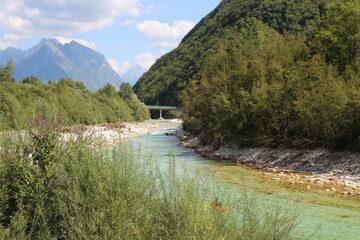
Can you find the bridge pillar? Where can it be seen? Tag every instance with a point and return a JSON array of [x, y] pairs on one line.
[[155, 107]]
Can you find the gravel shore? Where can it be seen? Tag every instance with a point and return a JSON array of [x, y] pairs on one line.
[[111, 134], [316, 166]]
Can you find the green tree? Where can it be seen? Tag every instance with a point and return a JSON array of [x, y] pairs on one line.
[[67, 82], [108, 90], [126, 91], [264, 88], [31, 80], [339, 36], [6, 72], [80, 86]]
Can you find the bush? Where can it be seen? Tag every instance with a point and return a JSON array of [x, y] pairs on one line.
[[68, 101], [87, 191], [263, 88]]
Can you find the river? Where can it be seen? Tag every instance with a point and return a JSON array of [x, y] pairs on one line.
[[330, 217]]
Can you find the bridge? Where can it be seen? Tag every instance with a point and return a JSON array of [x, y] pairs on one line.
[[155, 107]]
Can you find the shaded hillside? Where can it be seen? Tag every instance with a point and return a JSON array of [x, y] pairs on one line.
[[171, 73]]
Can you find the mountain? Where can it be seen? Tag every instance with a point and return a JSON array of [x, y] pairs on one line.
[[133, 74], [10, 54], [282, 74], [171, 73], [51, 60]]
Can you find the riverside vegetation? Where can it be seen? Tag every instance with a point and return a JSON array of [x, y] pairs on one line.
[[80, 189], [67, 100], [267, 73], [264, 88]]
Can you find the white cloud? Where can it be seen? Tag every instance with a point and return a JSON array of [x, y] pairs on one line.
[[167, 36], [145, 60], [88, 44], [124, 66], [114, 64], [27, 18], [11, 37], [163, 51], [4, 44], [166, 44], [127, 22], [120, 68], [8, 40]]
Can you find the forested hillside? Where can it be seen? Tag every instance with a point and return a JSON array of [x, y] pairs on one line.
[[67, 101], [267, 88], [171, 73], [268, 73]]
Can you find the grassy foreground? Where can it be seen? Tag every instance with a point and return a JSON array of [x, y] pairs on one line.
[[50, 189]]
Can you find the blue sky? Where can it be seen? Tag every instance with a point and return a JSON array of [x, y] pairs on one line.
[[127, 32]]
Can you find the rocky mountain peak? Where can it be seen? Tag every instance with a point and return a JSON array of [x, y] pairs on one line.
[[51, 60]]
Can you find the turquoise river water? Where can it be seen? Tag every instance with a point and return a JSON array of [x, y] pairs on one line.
[[317, 212]]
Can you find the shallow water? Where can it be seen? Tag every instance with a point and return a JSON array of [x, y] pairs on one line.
[[338, 218]]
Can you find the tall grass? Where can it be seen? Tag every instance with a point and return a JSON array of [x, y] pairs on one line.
[[87, 191]]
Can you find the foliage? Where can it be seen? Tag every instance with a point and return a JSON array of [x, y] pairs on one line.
[[108, 90], [44, 138], [31, 80], [6, 72], [68, 101], [171, 73], [126, 91], [112, 194], [274, 73], [339, 35], [263, 88]]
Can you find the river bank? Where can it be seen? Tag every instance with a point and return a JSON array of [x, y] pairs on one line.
[[320, 169], [110, 134], [113, 134]]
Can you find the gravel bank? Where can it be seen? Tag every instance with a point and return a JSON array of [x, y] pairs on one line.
[[323, 166], [111, 134]]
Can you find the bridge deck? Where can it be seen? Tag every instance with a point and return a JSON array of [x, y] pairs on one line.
[[161, 107]]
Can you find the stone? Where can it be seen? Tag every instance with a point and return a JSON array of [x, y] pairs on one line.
[[318, 179]]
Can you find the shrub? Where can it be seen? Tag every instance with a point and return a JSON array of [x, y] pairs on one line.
[[92, 192]]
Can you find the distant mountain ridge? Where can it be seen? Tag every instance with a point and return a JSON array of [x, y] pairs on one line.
[[51, 60], [133, 74]]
